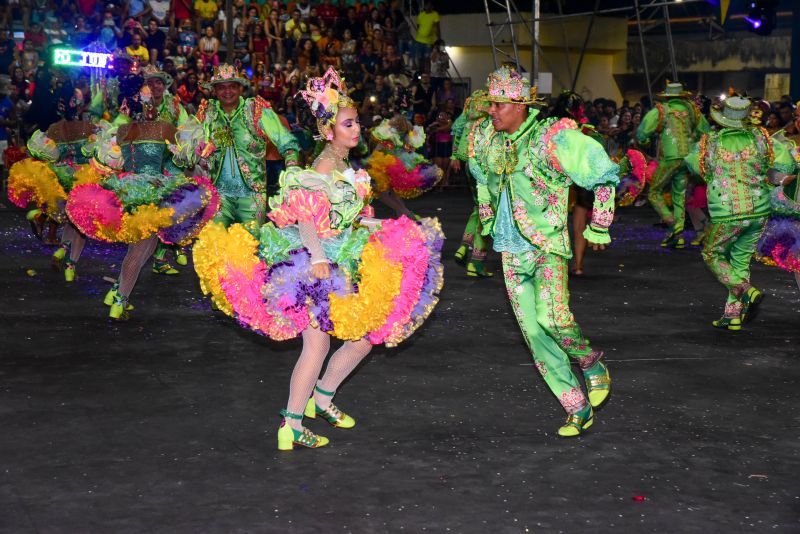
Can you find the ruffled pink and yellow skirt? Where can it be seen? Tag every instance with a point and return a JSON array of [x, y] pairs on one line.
[[408, 174], [385, 293]]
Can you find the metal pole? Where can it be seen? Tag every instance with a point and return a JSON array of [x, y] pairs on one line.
[[513, 35], [229, 30], [616, 10], [491, 32], [644, 56], [670, 45], [794, 62], [564, 37], [585, 44], [534, 47]]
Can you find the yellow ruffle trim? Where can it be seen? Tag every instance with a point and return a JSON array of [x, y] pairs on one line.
[[86, 174], [142, 224], [38, 179], [376, 166], [356, 315], [217, 248]]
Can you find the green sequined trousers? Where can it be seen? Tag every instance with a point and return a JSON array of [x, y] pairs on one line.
[[728, 251], [241, 209], [473, 231], [670, 173], [537, 288]]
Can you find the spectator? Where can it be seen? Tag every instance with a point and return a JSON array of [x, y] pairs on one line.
[[447, 92], [136, 9], [189, 92], [187, 40], [206, 14], [138, 52], [81, 34], [209, 47], [130, 28], [382, 90], [423, 95], [440, 64], [351, 23], [241, 47], [306, 56], [180, 12], [55, 33], [155, 42], [7, 117], [37, 37], [427, 34], [30, 58], [328, 13], [6, 54], [275, 34], [773, 122], [389, 32], [21, 82], [349, 51], [259, 44], [369, 61], [439, 132], [160, 11], [296, 30], [331, 56]]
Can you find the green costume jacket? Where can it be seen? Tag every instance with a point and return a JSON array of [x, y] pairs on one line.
[[460, 132], [171, 110], [734, 163], [246, 129], [536, 165], [679, 124]]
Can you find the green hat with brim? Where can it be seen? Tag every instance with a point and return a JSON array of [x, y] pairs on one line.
[[507, 85], [735, 112], [151, 71], [226, 73], [674, 90]]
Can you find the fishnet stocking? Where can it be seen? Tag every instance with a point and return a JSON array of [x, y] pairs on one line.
[[316, 344], [135, 259], [342, 363]]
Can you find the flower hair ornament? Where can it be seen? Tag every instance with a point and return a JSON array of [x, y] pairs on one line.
[[324, 96]]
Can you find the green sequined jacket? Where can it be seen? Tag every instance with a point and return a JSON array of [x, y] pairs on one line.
[[246, 129], [734, 163], [536, 166], [679, 124]]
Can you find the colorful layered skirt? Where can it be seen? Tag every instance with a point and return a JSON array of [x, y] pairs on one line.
[[128, 207], [780, 243], [383, 284], [408, 174], [34, 183]]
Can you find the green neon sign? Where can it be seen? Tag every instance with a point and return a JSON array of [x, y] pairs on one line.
[[80, 58]]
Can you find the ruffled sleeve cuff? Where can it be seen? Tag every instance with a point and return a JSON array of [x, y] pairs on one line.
[[301, 205], [599, 236]]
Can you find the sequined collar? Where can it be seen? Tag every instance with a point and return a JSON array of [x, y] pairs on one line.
[[235, 112]]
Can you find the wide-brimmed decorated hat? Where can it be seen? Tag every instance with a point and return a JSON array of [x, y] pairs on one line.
[[734, 113], [674, 90], [506, 84], [227, 73], [151, 71]]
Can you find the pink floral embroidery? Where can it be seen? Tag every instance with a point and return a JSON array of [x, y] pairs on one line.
[[542, 368], [552, 199], [547, 273], [603, 193], [573, 400], [567, 341], [485, 212], [602, 218], [547, 140]]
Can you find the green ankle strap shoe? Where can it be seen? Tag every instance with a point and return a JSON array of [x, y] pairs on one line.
[[750, 301], [598, 385], [69, 270], [289, 437], [674, 240], [728, 323], [119, 309], [461, 254], [477, 269], [163, 267], [576, 424], [333, 415]]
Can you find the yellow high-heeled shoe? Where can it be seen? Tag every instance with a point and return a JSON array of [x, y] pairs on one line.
[[288, 437]]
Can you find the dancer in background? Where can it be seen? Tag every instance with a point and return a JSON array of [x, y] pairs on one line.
[[323, 267], [734, 162], [524, 168], [473, 242], [678, 124]]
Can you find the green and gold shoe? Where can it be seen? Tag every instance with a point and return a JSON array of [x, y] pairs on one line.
[[333, 415], [57, 258], [119, 309], [750, 301], [598, 385], [476, 269], [577, 423], [289, 437], [181, 258], [728, 323], [461, 254], [674, 240], [108, 300], [163, 267]]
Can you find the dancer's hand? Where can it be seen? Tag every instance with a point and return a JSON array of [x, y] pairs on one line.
[[596, 246], [321, 271], [455, 165]]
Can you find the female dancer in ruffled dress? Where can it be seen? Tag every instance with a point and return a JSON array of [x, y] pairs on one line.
[[324, 267], [144, 198]]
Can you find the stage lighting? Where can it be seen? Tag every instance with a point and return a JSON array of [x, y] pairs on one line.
[[762, 16]]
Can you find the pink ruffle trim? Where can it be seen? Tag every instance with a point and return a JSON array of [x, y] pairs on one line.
[[302, 205]]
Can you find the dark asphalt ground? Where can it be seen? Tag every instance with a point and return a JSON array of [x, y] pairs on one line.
[[168, 423]]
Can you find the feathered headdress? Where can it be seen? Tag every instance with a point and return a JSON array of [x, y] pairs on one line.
[[324, 96]]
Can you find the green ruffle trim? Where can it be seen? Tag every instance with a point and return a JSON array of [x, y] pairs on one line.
[[134, 190], [594, 235]]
